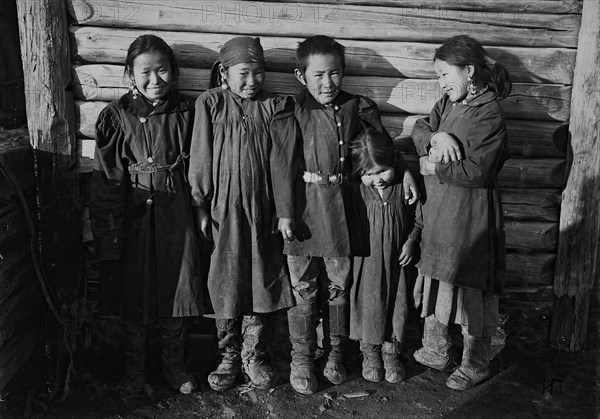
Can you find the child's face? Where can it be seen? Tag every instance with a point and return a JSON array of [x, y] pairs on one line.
[[453, 80], [379, 177], [245, 79], [323, 77], [152, 74]]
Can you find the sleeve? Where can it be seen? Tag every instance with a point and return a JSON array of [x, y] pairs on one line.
[[109, 188], [369, 112], [425, 128], [485, 154], [415, 234], [285, 137], [201, 154]]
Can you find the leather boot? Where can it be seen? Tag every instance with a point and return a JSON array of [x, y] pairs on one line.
[[435, 352], [228, 371], [277, 340], [303, 337], [133, 382], [254, 359], [394, 370], [372, 365], [336, 320], [475, 365], [173, 357]]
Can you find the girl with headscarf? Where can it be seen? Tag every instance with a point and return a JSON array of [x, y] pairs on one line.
[[232, 199]]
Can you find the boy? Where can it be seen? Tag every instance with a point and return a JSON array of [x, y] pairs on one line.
[[317, 205]]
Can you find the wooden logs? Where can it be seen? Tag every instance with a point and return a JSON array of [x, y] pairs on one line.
[[531, 236], [530, 269], [532, 173], [531, 204]]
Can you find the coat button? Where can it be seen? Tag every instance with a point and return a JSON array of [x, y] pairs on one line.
[[342, 158], [150, 159], [149, 202], [336, 108], [142, 119], [339, 124], [385, 204], [341, 143]]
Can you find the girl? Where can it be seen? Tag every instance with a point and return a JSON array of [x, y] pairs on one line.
[[463, 144], [378, 295], [231, 192], [141, 214]]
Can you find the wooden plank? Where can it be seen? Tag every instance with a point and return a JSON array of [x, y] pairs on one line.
[[531, 204], [528, 101], [363, 58], [532, 139], [534, 293], [342, 21], [578, 259], [526, 269], [532, 173], [531, 236], [505, 6], [46, 69], [14, 355]]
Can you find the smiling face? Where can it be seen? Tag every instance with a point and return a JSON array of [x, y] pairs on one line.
[[323, 77], [453, 80], [244, 79], [379, 177], [152, 74]]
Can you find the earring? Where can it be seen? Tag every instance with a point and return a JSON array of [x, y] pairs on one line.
[[471, 87], [133, 89], [224, 84]]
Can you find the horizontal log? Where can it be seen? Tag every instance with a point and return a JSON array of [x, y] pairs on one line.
[[532, 139], [14, 355], [536, 293], [387, 59], [85, 150], [531, 204], [519, 309], [526, 269], [505, 6], [527, 101], [342, 21], [532, 173], [531, 236]]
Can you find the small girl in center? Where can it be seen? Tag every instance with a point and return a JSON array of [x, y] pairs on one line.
[[233, 202], [378, 301]]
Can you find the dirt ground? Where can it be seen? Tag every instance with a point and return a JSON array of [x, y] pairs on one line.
[[524, 367]]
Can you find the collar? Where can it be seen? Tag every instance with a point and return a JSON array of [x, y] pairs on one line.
[[486, 96], [306, 100], [140, 106], [261, 96]]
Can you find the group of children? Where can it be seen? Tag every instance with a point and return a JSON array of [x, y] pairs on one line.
[[244, 169]]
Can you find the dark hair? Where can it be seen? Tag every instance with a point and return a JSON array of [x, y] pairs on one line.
[[146, 43], [318, 45], [371, 148], [215, 78], [462, 50]]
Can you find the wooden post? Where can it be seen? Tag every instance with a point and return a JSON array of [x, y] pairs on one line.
[[578, 256], [50, 118]]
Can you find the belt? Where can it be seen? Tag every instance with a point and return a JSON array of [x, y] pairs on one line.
[[325, 178], [152, 167]]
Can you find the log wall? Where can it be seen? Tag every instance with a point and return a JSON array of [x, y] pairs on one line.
[[389, 50]]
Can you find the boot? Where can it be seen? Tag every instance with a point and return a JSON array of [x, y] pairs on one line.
[[173, 356], [254, 362], [303, 337], [334, 371], [435, 352], [394, 370], [133, 382], [278, 342], [226, 374], [475, 365], [372, 366]]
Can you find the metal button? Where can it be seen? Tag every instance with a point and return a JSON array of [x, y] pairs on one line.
[[142, 119], [342, 158], [150, 159], [341, 143], [339, 124], [149, 202], [385, 204], [336, 107]]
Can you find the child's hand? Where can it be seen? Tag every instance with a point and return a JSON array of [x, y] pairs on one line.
[[407, 252], [426, 167], [203, 223], [435, 156], [447, 146], [287, 226], [411, 191]]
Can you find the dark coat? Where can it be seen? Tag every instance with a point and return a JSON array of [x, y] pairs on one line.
[[229, 175], [156, 244], [311, 137], [463, 233]]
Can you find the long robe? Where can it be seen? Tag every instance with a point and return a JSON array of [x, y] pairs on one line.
[[230, 177]]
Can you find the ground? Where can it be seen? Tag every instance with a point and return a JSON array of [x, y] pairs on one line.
[[522, 387]]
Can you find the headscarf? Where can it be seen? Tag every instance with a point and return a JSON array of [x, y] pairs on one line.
[[242, 49]]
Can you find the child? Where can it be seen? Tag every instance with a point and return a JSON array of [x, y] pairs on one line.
[[231, 192], [141, 214], [463, 256], [378, 296], [316, 204]]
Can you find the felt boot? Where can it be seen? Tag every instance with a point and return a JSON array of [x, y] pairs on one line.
[[230, 367], [372, 365], [475, 365], [394, 370], [173, 357], [133, 382], [303, 337], [254, 359], [435, 352], [337, 321]]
